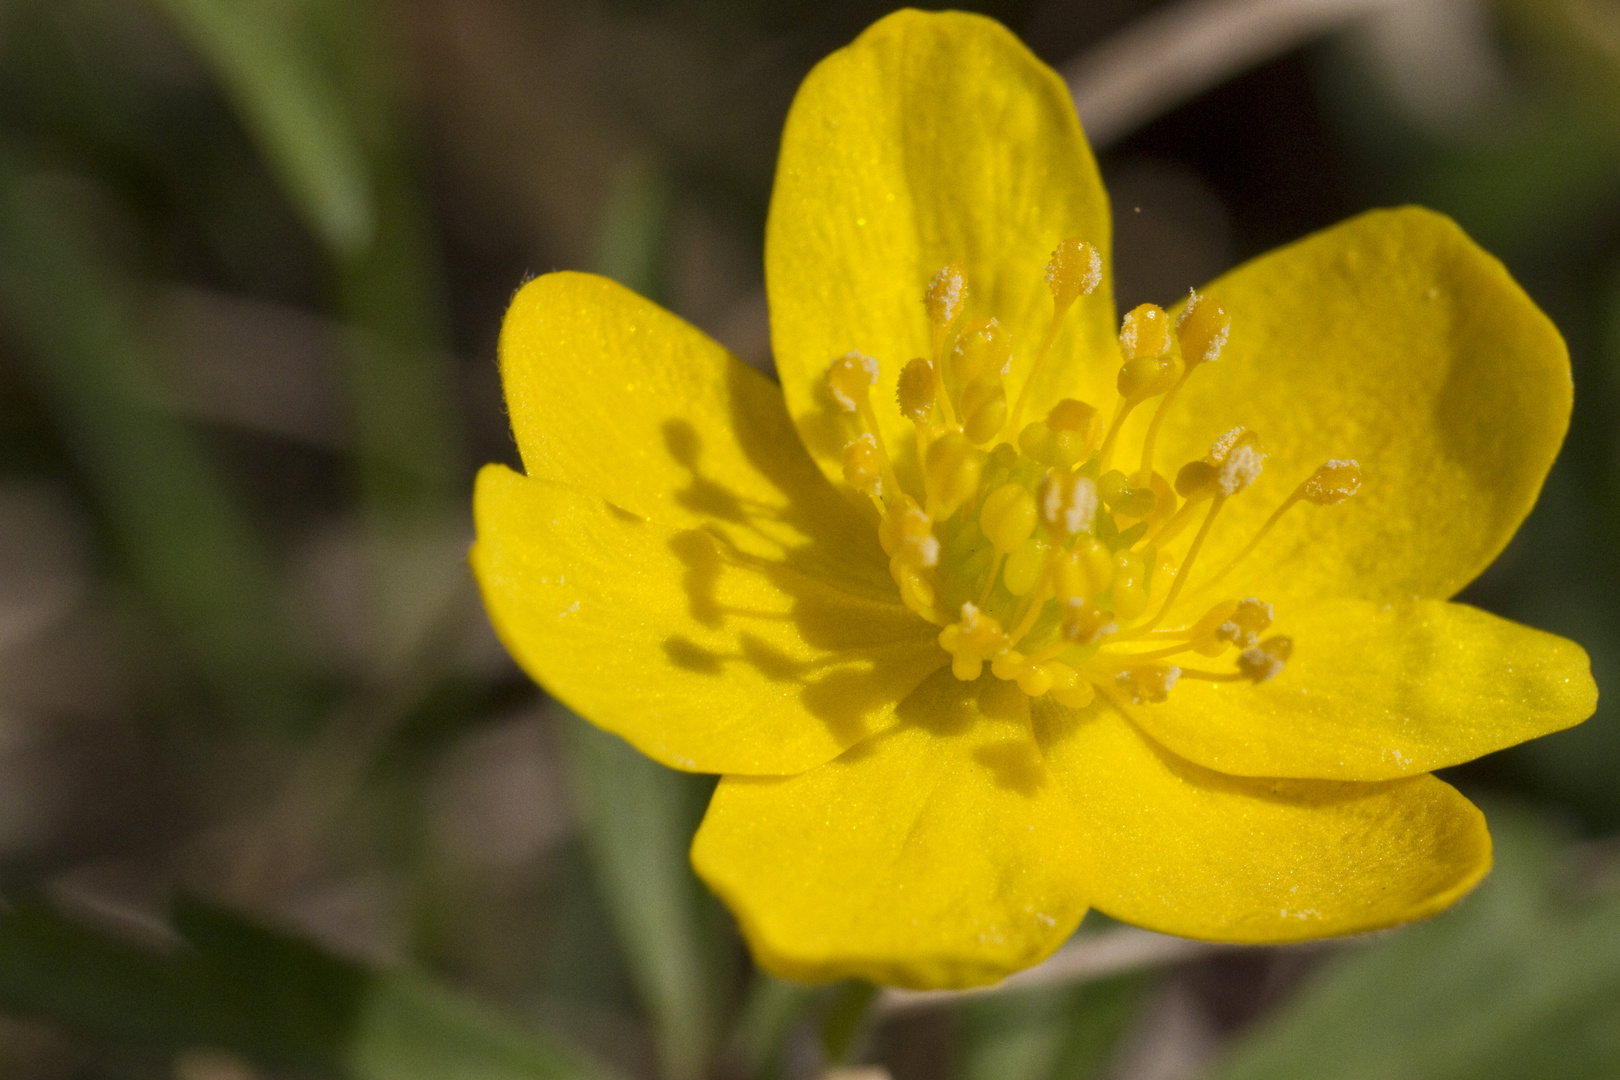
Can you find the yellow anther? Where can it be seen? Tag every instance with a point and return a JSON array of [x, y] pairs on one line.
[[1236, 459], [1148, 683], [1130, 585], [904, 519], [1247, 621], [1196, 480], [1075, 270], [1008, 664], [1087, 624], [1145, 332], [1240, 469], [946, 295], [916, 588], [1083, 571], [1224, 445], [1265, 661], [972, 640], [1035, 679], [863, 466], [1068, 688], [951, 472], [984, 409], [915, 390], [984, 348], [1072, 414], [1332, 482], [1025, 566], [1124, 499], [1202, 330], [849, 377], [1143, 377], [1008, 517], [1067, 501]]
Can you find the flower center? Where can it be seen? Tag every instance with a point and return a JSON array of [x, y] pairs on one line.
[[1027, 544]]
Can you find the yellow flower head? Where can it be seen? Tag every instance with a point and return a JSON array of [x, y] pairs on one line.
[[1044, 611]]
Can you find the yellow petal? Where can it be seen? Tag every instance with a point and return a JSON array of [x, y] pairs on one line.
[[1376, 691], [933, 139], [1178, 848], [704, 657], [1394, 340], [735, 612], [937, 854], [613, 395]]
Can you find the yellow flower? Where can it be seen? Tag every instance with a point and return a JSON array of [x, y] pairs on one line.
[[956, 662]]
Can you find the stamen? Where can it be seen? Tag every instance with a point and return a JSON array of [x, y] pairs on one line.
[[1007, 520], [1187, 563], [1331, 484], [850, 378], [1075, 270], [945, 299], [1151, 367], [951, 473], [1265, 661], [863, 468], [1148, 684], [1201, 332], [1247, 622], [1068, 503]]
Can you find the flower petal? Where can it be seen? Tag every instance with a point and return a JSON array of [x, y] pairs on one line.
[[1178, 848], [735, 612], [1375, 691], [937, 854], [1394, 340], [701, 655], [933, 139]]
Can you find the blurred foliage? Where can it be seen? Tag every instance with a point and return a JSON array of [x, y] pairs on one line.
[[253, 256]]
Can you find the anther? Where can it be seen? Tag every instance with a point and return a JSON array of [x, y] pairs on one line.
[[863, 466], [1265, 661], [946, 295], [1149, 683], [1068, 502], [1025, 566], [1245, 624], [1145, 332], [983, 348], [1332, 482], [903, 521], [915, 390], [1240, 469], [1008, 517], [952, 473], [984, 409], [1068, 688], [1083, 571], [1075, 270], [849, 377], [1126, 501], [1202, 330]]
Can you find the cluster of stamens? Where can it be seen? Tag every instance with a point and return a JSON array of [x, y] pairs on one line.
[[1030, 549]]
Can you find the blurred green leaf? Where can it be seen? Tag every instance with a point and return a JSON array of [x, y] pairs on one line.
[[276, 999], [260, 51], [769, 1013], [638, 818], [1522, 980], [175, 523], [1063, 1033], [632, 234]]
